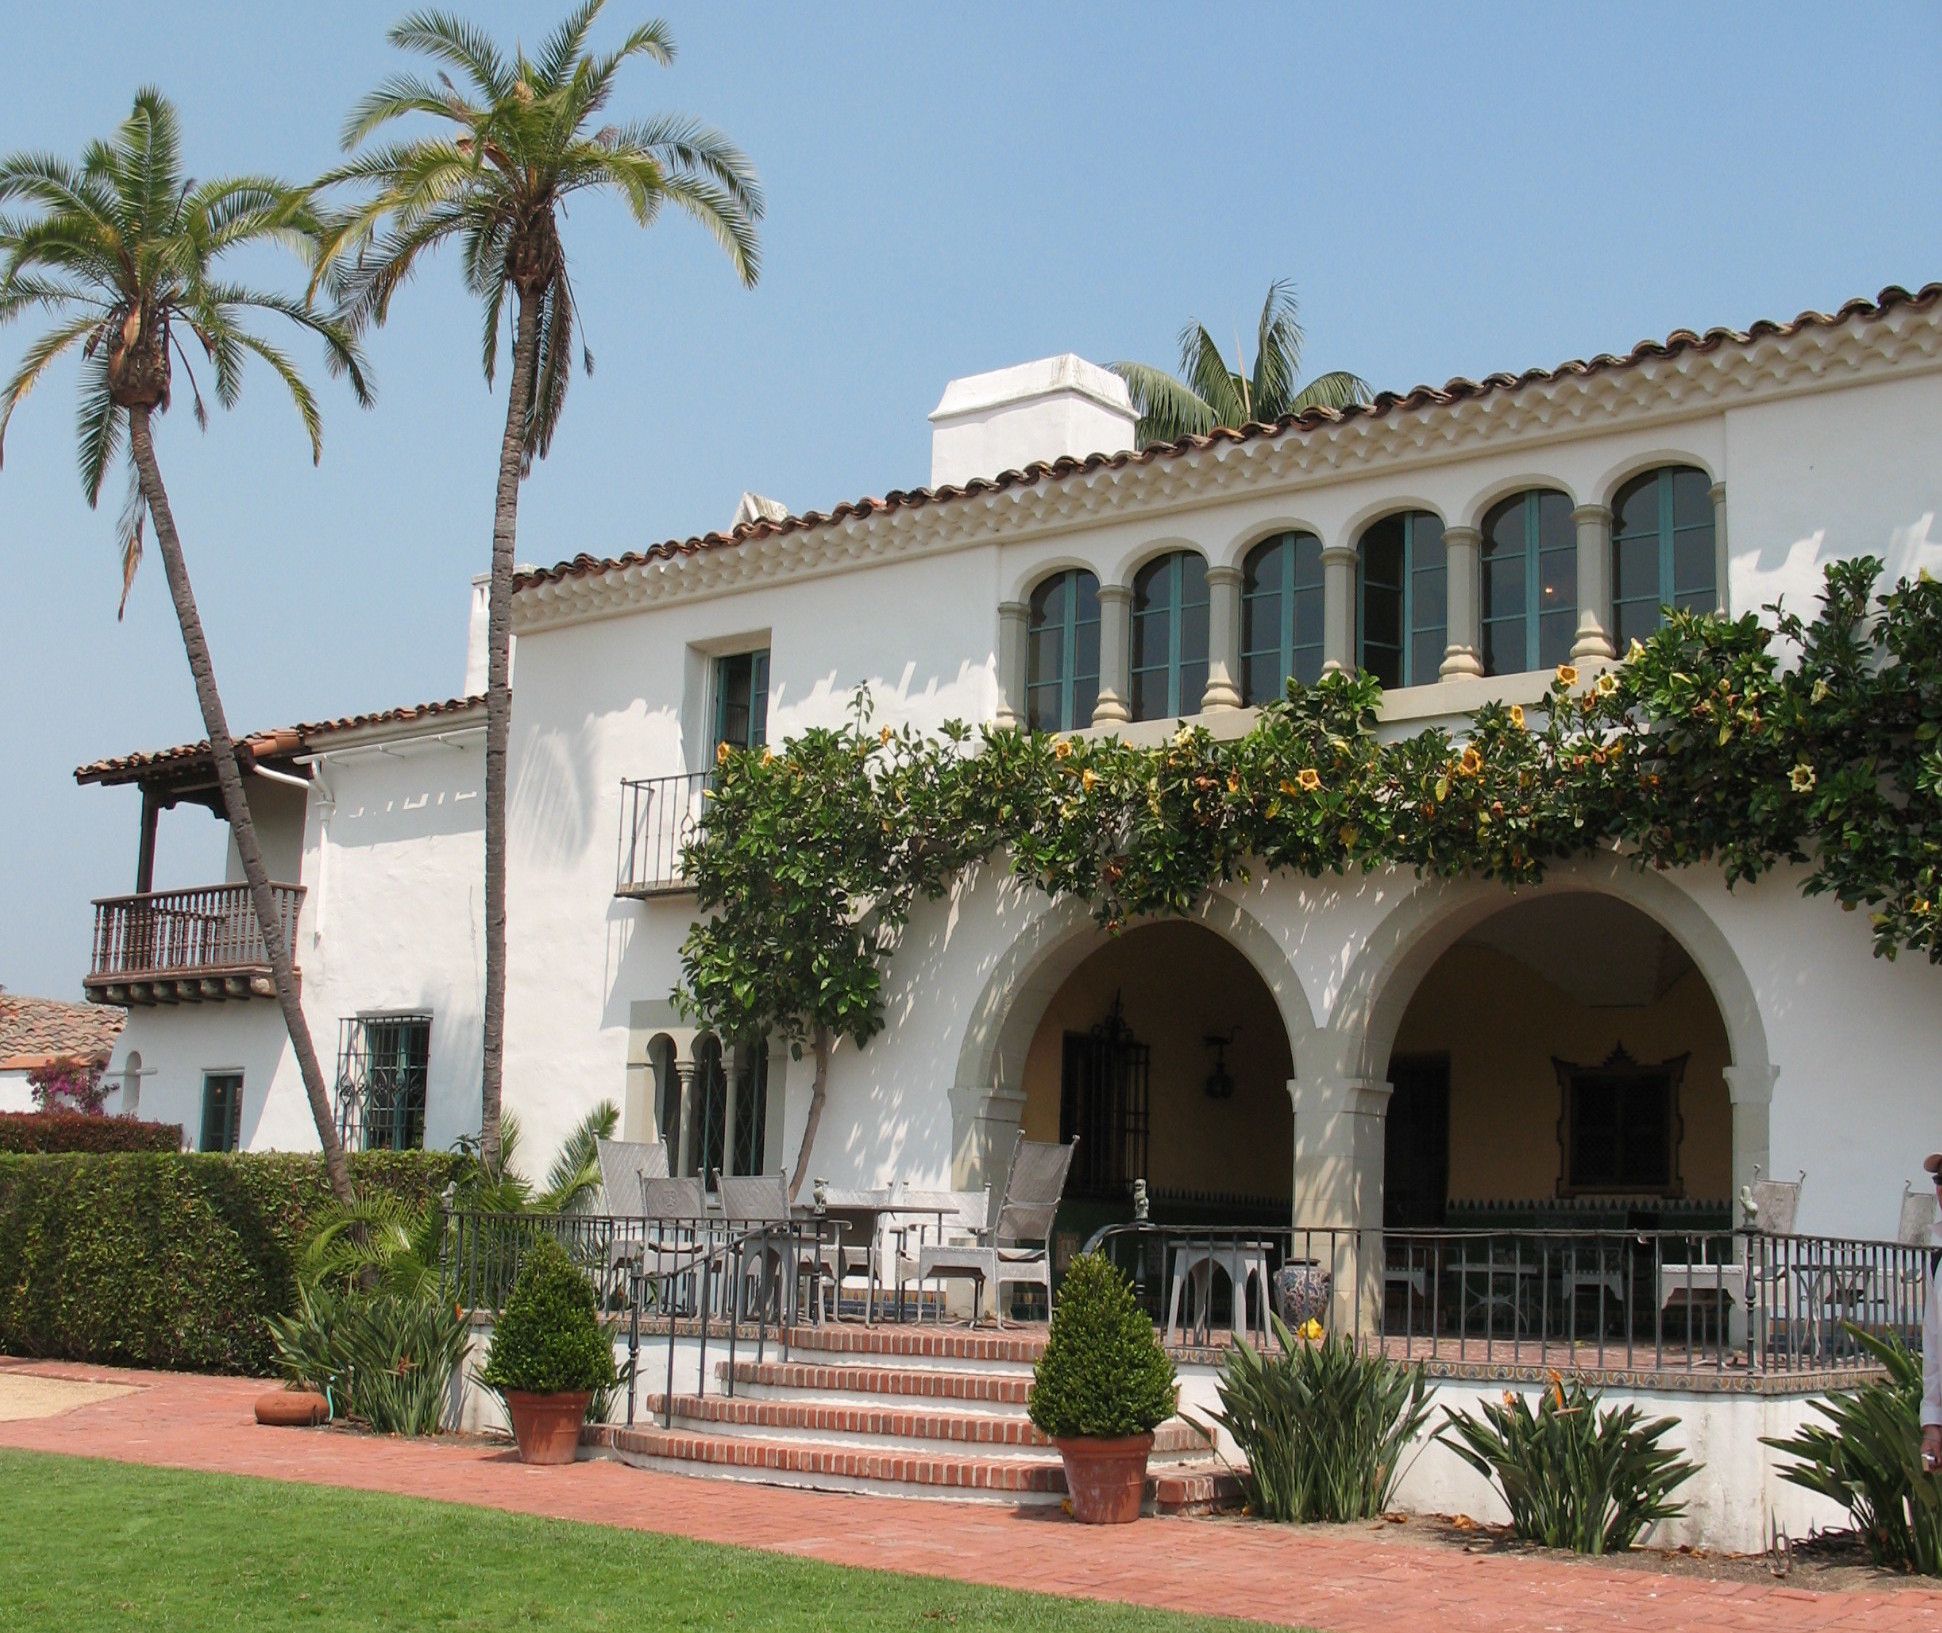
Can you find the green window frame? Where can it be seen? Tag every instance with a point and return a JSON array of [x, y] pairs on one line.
[[1529, 591], [1662, 550], [710, 1111], [1281, 616], [1169, 636], [222, 1111], [1402, 599], [1062, 651], [383, 1068], [751, 1107], [742, 699]]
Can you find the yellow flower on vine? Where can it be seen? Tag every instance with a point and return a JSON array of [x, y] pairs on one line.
[[1607, 684], [1309, 778], [1233, 782], [1635, 651], [1471, 762], [721, 754], [1517, 715], [1287, 787], [1801, 778], [1567, 674], [768, 756], [1088, 779], [884, 736], [1061, 749]]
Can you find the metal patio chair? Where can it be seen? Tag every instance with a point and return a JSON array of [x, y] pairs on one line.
[[675, 1241], [1020, 1214], [624, 1164], [759, 1204]]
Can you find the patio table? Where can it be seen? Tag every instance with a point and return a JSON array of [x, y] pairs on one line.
[[1478, 1287], [861, 1211]]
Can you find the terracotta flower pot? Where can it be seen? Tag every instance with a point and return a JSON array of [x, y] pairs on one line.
[[292, 1408], [1106, 1478], [547, 1427]]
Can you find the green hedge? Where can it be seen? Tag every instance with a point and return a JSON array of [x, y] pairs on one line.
[[167, 1260], [84, 1131]]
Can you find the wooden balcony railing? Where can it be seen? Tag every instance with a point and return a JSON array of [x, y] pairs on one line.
[[168, 946]]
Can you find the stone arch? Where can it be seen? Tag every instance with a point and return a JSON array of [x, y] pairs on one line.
[[1386, 973], [1606, 488], [988, 1096], [1509, 488], [1150, 550], [1239, 546]]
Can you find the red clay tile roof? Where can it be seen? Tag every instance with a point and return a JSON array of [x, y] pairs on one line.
[[283, 741], [1384, 403], [37, 1031]]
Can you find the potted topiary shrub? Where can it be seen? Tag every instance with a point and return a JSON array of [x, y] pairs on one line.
[[1100, 1389], [548, 1354]]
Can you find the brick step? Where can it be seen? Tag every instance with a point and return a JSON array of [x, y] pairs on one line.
[[827, 1381], [909, 1428], [886, 1472], [915, 1345]]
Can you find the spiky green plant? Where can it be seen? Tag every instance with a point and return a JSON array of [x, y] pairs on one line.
[[1573, 1476], [517, 138], [124, 253], [1210, 391], [1103, 1372], [1321, 1426], [1867, 1458]]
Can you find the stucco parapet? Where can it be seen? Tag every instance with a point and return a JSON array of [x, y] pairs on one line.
[[1688, 383]]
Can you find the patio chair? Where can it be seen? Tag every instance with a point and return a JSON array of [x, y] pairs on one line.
[[961, 1216], [758, 1205], [674, 1241], [1020, 1214], [624, 1164], [1771, 1207]]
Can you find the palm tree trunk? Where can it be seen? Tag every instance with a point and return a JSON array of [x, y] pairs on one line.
[[222, 750], [505, 535], [818, 1093]]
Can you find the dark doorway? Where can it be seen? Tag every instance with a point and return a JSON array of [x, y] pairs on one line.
[[1103, 1103], [1416, 1143]]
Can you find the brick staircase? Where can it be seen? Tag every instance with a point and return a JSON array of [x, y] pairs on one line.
[[895, 1411]]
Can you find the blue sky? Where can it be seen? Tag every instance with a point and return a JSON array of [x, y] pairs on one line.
[[1455, 190]]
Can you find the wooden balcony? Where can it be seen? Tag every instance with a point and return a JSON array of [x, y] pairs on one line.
[[186, 946]]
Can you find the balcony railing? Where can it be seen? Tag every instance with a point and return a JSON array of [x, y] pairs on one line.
[[168, 946], [658, 816]]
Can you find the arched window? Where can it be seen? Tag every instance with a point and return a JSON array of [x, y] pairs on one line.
[[1062, 652], [1281, 615], [667, 1097], [1170, 636], [1662, 550], [1530, 582], [1400, 633], [709, 1108]]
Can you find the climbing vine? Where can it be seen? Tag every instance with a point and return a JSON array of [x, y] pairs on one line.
[[1734, 741]]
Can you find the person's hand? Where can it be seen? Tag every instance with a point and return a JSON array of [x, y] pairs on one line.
[[1932, 1447]]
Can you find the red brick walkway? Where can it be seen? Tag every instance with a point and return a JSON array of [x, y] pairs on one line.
[[1330, 1581]]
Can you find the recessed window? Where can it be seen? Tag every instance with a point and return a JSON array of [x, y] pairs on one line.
[[709, 1109], [1530, 583], [1281, 616], [1662, 550], [742, 699], [1620, 1129], [222, 1111], [1170, 636], [751, 1108], [1400, 637], [382, 1066], [1062, 652]]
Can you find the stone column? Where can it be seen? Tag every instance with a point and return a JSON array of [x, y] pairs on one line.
[[1115, 642], [1339, 1125], [1012, 617], [1463, 573], [1223, 639], [1750, 1088], [686, 1156], [1721, 584], [1594, 638], [1338, 607]]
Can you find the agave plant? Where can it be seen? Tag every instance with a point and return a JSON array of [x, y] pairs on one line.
[[1323, 1427], [1867, 1458], [1572, 1476]]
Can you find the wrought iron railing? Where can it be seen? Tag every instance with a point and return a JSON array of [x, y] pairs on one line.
[[658, 816], [709, 1279], [172, 932], [1668, 1301]]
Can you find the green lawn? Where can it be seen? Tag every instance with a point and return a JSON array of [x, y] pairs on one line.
[[86, 1545]]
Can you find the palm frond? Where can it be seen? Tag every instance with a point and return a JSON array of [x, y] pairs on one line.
[[1213, 379], [39, 355], [1277, 352], [97, 424], [1167, 409], [128, 531], [1337, 389], [459, 44], [559, 56], [398, 97], [574, 1179]]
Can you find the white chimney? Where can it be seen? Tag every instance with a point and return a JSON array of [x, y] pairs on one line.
[[1010, 418]]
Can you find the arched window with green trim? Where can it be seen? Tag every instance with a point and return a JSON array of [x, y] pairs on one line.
[[1062, 652], [1662, 550], [1281, 616], [1170, 636], [1530, 582], [1402, 616]]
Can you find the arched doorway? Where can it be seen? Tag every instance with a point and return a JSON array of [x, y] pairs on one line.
[[1167, 1054], [1563, 1056]]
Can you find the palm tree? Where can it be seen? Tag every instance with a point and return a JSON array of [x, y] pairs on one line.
[[522, 136], [122, 254], [1208, 392]]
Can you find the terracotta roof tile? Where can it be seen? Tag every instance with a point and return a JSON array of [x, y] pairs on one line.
[[35, 1031], [283, 740], [1384, 403]]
